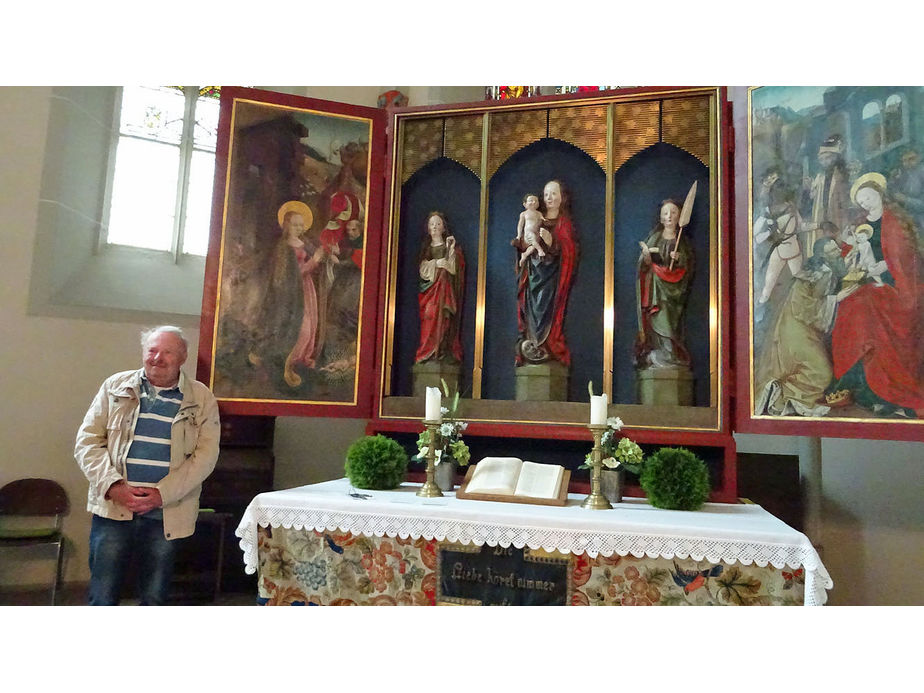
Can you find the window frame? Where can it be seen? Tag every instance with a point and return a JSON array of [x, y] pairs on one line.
[[186, 148], [905, 138]]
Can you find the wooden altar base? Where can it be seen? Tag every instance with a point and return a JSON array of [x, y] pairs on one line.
[[672, 386], [432, 373], [543, 382]]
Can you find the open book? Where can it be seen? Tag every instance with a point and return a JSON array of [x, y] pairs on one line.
[[512, 479]]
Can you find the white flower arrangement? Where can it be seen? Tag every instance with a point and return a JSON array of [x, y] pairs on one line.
[[623, 453], [450, 436]]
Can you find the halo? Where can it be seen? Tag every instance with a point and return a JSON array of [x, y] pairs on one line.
[[298, 207], [876, 179]]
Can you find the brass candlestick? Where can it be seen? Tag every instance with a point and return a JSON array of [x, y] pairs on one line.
[[596, 500], [430, 489]]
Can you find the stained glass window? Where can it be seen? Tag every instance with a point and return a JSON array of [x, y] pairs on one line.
[[164, 162]]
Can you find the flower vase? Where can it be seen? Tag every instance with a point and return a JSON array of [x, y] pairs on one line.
[[611, 481], [445, 475]]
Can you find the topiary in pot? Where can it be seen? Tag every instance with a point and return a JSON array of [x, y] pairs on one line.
[[376, 462], [675, 479]]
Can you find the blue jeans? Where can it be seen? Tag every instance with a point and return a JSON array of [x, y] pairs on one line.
[[113, 546]]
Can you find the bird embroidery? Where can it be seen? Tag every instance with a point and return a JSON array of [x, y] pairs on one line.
[[692, 580]]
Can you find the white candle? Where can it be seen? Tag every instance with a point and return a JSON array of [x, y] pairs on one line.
[[598, 410], [433, 405]]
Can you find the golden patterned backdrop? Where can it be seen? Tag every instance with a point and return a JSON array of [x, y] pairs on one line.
[[512, 131], [582, 126], [464, 141], [637, 126], [423, 142], [682, 122], [685, 124]]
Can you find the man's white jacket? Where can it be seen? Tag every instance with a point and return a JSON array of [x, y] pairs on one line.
[[106, 435]]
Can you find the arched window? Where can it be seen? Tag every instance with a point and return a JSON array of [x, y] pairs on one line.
[[161, 182], [893, 122], [872, 127]]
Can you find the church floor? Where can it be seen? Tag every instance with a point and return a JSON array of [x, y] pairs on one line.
[[76, 595]]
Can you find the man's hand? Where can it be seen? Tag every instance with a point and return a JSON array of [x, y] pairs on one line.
[[138, 499]]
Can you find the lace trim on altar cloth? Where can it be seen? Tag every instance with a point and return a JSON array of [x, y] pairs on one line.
[[574, 541]]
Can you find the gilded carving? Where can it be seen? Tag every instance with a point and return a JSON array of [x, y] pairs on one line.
[[463, 141], [582, 126], [510, 132], [636, 127], [423, 143], [685, 124]]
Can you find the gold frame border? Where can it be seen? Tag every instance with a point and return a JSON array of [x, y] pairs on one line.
[[221, 251], [717, 220], [750, 312]]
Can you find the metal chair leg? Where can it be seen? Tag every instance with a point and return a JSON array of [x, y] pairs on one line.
[[54, 587]]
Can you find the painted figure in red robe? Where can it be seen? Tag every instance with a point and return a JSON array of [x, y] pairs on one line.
[[287, 336], [665, 269], [545, 282], [878, 339], [442, 276]]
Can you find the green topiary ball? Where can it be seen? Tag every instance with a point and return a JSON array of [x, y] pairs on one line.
[[675, 479], [376, 462]]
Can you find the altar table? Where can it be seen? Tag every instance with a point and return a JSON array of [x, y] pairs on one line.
[[319, 544]]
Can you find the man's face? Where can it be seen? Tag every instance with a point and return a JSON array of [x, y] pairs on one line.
[[826, 159], [353, 229], [832, 257], [163, 355], [910, 160]]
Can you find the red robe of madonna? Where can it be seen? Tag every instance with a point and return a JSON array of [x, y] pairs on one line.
[[883, 326]]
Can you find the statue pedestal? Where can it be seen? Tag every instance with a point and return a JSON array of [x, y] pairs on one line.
[[431, 373], [665, 386], [542, 382]]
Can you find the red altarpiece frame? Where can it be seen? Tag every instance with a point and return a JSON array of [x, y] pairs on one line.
[[620, 154], [819, 352]]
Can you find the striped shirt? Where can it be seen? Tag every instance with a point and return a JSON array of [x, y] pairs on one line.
[[148, 458]]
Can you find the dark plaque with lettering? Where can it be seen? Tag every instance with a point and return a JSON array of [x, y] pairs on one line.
[[497, 575]]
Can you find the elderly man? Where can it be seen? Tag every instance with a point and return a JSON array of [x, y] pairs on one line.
[[148, 441]]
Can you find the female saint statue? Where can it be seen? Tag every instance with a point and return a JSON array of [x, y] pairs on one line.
[[665, 269], [442, 274]]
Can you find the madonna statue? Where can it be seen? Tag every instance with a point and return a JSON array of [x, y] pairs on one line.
[[544, 281]]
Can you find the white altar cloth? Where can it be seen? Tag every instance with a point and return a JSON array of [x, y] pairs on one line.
[[742, 533]]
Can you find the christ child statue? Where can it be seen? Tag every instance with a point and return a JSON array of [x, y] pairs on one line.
[[529, 228]]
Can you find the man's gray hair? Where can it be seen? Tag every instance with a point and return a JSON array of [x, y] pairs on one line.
[[172, 329]]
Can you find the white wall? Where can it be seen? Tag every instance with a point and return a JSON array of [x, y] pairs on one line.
[[50, 367]]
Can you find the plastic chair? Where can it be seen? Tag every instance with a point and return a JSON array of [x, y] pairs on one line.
[[33, 499]]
